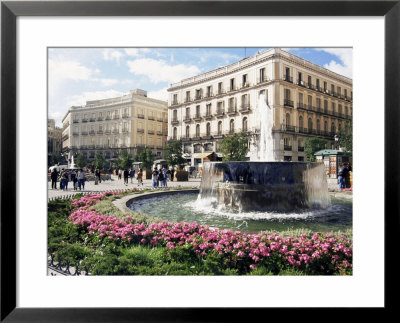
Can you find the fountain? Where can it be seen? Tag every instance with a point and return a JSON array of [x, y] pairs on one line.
[[265, 184], [72, 165]]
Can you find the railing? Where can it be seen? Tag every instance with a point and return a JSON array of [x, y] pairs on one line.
[[92, 119], [159, 133], [125, 130], [245, 85], [150, 118], [187, 100], [115, 131], [107, 132], [140, 130], [232, 110], [84, 120], [262, 80], [115, 117], [221, 92], [91, 147], [160, 119], [187, 118], [174, 121], [75, 121], [125, 115], [75, 133], [150, 132], [245, 107], [84, 133], [288, 78], [208, 116], [287, 148], [100, 119], [140, 116], [175, 102], [100, 132], [209, 95], [288, 103], [198, 97], [219, 113], [197, 117]]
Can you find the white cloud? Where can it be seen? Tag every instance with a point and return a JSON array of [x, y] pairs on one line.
[[81, 99], [107, 82], [159, 71], [345, 67], [112, 55], [159, 95], [60, 70], [132, 51]]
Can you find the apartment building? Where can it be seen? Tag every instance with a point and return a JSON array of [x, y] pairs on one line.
[[307, 100], [53, 139], [131, 122]]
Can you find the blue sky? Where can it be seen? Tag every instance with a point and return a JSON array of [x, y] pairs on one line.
[[77, 75]]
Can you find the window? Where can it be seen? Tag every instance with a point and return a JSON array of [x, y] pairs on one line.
[[318, 103], [187, 113], [220, 128], [174, 115], [265, 93], [187, 96], [187, 131], [175, 99], [197, 111], [309, 97], [339, 90], [333, 107], [244, 80], [220, 88], [325, 106], [209, 91], [232, 84], [208, 129], [300, 158], [287, 94], [208, 109], [309, 81], [300, 78], [333, 128], [198, 130], [232, 126], [287, 158], [198, 94], [244, 124], [232, 104], [301, 123], [175, 133], [340, 108], [301, 98], [326, 126], [262, 75], [325, 86], [332, 89], [310, 124], [318, 125], [287, 74], [346, 110], [317, 84], [345, 93], [287, 119]]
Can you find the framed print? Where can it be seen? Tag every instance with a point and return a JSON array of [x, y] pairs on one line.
[[31, 30]]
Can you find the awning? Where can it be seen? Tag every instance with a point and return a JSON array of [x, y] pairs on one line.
[[203, 155]]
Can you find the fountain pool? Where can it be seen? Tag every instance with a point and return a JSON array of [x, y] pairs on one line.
[[188, 207]]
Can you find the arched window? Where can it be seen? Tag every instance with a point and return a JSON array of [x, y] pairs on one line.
[[326, 126], [301, 123], [318, 125], [232, 126], [187, 131], [198, 130], [333, 128], [310, 125], [220, 128], [208, 129], [175, 135], [175, 115], [244, 124]]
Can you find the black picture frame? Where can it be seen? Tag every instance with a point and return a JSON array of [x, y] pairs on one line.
[[10, 10]]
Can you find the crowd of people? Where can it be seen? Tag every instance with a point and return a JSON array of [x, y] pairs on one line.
[[160, 177], [76, 176], [344, 175]]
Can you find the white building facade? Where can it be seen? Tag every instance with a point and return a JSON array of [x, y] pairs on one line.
[[307, 101]]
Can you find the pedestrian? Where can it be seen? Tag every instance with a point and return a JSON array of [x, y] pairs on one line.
[[119, 173], [98, 175], [169, 174], [74, 179], [160, 178], [343, 170], [154, 178], [132, 174], [61, 176], [126, 176], [140, 177], [54, 176], [165, 178], [81, 179], [347, 182], [66, 179]]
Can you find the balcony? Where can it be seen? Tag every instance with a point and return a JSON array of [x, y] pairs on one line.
[[244, 108], [107, 132], [150, 118], [91, 147], [287, 148], [92, 119], [301, 83], [160, 119], [108, 117], [140, 130], [75, 133], [175, 102], [174, 122], [84, 133], [301, 105], [100, 119], [311, 86], [100, 132], [185, 138], [232, 89], [116, 117], [232, 110], [84, 120], [245, 85], [220, 113], [92, 132], [187, 118], [125, 115], [115, 131], [83, 147], [99, 146], [262, 80], [75, 121], [209, 95], [198, 97], [140, 116], [150, 132], [159, 133], [288, 78], [208, 116], [288, 103], [221, 92], [197, 117], [187, 99], [125, 130]]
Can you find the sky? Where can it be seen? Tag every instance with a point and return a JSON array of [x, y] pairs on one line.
[[77, 75]]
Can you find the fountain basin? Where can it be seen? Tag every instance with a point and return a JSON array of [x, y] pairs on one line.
[[265, 186]]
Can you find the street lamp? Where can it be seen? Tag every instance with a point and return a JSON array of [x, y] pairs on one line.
[[336, 141]]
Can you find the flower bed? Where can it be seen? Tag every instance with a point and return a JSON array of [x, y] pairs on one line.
[[230, 251]]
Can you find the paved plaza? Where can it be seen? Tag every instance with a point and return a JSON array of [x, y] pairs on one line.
[[114, 184]]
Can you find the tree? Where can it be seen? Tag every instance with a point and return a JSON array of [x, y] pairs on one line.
[[346, 139], [99, 161], [54, 159], [173, 154], [146, 158], [81, 161], [234, 148], [312, 145], [125, 160]]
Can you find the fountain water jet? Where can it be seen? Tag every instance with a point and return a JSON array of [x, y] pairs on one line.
[[265, 185]]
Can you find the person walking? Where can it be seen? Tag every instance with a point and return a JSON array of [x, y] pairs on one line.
[[160, 178], [165, 179], [126, 175], [66, 180], [140, 177], [81, 179], [154, 178], [343, 170], [98, 174], [119, 173], [132, 175], [61, 176], [54, 176], [74, 179]]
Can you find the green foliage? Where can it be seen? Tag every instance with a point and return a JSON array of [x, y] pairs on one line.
[[54, 159], [235, 147], [346, 139], [81, 161], [124, 160], [146, 158], [312, 145], [99, 161], [173, 154]]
